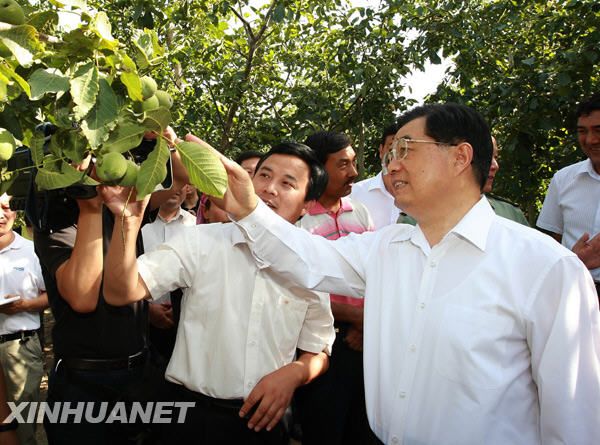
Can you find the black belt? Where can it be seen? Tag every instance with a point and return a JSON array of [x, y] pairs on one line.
[[16, 336], [93, 364], [227, 404]]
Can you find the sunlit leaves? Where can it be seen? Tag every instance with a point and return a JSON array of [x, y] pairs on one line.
[[85, 88], [50, 80], [205, 169]]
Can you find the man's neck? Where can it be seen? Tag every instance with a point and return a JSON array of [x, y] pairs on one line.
[[330, 203], [438, 223], [168, 214], [7, 239]]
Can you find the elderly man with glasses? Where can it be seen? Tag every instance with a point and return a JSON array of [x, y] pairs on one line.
[[477, 330]]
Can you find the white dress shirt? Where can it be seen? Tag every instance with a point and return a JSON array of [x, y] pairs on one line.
[[572, 205], [490, 337], [238, 322], [20, 274], [372, 193], [160, 231]]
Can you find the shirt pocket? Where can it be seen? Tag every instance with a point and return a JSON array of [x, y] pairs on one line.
[[472, 346]]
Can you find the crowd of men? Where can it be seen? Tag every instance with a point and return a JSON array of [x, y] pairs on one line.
[[413, 307]]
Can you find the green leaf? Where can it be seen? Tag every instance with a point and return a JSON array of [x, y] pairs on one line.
[[6, 70], [85, 88], [51, 180], [205, 169], [158, 119], [103, 117], [6, 180], [36, 147], [103, 30], [153, 170], [22, 41], [133, 84], [127, 135], [49, 80], [81, 4], [74, 145]]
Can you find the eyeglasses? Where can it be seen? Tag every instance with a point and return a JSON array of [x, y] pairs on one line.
[[399, 150]]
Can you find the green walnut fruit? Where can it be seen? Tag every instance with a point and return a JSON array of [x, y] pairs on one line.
[[164, 99], [111, 167], [148, 86], [11, 12], [151, 103], [7, 145], [131, 174]]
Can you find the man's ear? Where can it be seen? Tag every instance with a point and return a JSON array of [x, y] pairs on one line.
[[463, 156], [380, 151]]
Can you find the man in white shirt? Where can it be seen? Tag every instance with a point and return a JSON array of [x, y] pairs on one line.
[[240, 324], [163, 313], [571, 211], [477, 330], [376, 192], [21, 281]]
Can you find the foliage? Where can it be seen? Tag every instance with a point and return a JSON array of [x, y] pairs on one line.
[[85, 83], [524, 64]]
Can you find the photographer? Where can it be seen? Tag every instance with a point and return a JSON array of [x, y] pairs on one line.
[[100, 350]]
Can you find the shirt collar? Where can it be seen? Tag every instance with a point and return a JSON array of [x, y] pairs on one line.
[[178, 216], [316, 208], [588, 167], [377, 183], [16, 244], [473, 227]]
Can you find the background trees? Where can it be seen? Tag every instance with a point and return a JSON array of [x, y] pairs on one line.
[[245, 74]]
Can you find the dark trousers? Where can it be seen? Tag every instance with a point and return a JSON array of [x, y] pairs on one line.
[[215, 422], [332, 408], [122, 385]]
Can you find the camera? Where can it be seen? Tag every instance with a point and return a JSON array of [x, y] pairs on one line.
[[56, 209]]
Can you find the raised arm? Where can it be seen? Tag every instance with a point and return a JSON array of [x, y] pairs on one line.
[[122, 282], [78, 278]]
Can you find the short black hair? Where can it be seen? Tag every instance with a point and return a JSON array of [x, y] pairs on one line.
[[388, 131], [587, 106], [325, 143], [317, 179], [452, 124], [249, 154]]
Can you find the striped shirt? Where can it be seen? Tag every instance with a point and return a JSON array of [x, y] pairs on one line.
[[352, 217], [572, 205]]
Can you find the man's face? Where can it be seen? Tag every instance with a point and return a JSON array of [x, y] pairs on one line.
[[494, 167], [383, 149], [281, 182], [175, 200], [250, 165], [341, 169], [588, 133], [7, 216], [421, 179]]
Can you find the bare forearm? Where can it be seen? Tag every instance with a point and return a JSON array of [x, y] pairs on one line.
[[310, 366], [122, 284], [79, 278], [38, 304]]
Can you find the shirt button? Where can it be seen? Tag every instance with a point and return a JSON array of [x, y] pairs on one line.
[[433, 264], [252, 343], [422, 305], [395, 440], [250, 384], [412, 348], [402, 394]]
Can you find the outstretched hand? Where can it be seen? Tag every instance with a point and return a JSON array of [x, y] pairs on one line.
[[121, 201], [240, 199], [588, 250]]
